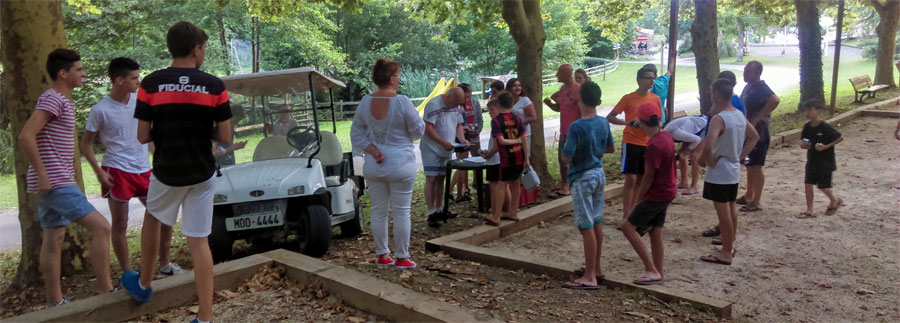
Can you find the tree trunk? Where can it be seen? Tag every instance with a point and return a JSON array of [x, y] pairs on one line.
[[30, 30], [704, 36], [812, 86], [889, 20], [740, 39], [527, 29], [226, 51]]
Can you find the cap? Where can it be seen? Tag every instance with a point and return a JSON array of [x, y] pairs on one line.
[[648, 109]]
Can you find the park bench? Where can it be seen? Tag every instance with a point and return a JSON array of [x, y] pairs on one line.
[[862, 86]]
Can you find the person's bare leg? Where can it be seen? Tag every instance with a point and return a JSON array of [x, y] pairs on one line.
[[726, 226], [634, 193], [627, 189], [429, 192], [149, 247], [498, 198], [165, 244], [590, 257], [758, 185], [751, 178], [513, 198], [203, 276], [118, 211], [695, 169], [437, 192], [656, 249], [50, 258], [99, 248], [630, 232], [682, 169], [598, 235], [732, 207], [833, 201], [809, 198], [564, 179]]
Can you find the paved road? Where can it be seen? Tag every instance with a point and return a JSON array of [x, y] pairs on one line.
[[778, 78]]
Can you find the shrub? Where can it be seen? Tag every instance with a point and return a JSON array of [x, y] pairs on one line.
[[594, 61], [7, 164]]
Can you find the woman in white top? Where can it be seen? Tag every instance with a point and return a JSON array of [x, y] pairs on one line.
[[522, 105], [385, 126]]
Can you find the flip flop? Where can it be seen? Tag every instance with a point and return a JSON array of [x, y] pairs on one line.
[[717, 241], [579, 286], [491, 223], [712, 232], [580, 271], [560, 194], [806, 215], [713, 258], [741, 201], [750, 208], [646, 281], [509, 218], [690, 193], [681, 187], [833, 210]]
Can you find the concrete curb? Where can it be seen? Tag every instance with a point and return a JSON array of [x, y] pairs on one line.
[[375, 296]]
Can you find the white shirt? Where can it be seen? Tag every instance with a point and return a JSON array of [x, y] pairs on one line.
[[519, 110], [445, 120], [117, 127], [393, 135]]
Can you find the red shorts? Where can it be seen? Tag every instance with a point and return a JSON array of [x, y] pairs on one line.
[[126, 185]]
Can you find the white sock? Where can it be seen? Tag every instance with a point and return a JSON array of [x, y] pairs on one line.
[[430, 211], [142, 287]]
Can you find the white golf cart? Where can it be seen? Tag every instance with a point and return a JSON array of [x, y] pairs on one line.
[[298, 185]]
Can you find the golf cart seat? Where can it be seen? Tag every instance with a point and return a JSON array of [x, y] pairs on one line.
[[272, 147], [331, 156]]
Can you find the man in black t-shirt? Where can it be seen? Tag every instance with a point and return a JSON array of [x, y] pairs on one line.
[[176, 109], [759, 102], [819, 139]]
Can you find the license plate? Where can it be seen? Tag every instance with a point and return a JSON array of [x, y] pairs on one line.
[[256, 215]]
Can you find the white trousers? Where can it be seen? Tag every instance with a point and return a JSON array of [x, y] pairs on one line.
[[392, 194]]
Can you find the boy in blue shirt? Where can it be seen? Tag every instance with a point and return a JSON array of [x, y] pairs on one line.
[[589, 138]]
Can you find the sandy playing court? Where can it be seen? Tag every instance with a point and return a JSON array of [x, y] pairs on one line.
[[830, 268]]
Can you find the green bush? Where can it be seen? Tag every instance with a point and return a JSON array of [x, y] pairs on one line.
[[7, 164], [594, 61]]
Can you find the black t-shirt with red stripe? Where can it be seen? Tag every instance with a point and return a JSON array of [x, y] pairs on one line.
[[182, 105], [509, 126]]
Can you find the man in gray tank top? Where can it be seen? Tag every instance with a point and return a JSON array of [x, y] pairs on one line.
[[730, 140]]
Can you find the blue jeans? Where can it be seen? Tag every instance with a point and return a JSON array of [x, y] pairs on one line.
[[587, 198], [62, 206]]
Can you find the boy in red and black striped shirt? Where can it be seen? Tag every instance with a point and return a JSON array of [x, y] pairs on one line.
[[177, 108], [508, 132]]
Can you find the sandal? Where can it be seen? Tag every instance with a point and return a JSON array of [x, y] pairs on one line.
[[490, 222], [712, 232], [741, 201], [560, 194], [509, 218], [577, 285], [750, 208], [717, 241], [833, 210], [580, 271], [714, 258], [644, 281], [806, 215]]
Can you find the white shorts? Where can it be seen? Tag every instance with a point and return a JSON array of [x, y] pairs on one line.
[[196, 202], [433, 164]]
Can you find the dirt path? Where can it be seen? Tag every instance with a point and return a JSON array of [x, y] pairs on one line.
[[830, 268]]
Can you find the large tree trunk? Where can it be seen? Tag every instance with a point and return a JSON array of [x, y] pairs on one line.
[[740, 39], [704, 36], [812, 86], [527, 29], [30, 30], [889, 20], [226, 51]]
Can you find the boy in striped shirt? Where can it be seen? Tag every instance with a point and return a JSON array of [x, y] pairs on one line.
[[48, 140]]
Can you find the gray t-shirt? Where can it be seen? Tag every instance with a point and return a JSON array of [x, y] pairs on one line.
[[114, 122], [728, 149], [444, 120]]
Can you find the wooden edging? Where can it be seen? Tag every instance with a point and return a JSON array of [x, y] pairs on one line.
[[865, 111], [394, 302], [168, 292]]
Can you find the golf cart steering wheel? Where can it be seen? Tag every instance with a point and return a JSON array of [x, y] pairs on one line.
[[302, 138]]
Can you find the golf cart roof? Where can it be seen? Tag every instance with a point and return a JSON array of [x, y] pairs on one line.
[[293, 80]]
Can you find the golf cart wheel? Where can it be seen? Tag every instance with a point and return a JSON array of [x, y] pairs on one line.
[[220, 241], [315, 231], [353, 227]]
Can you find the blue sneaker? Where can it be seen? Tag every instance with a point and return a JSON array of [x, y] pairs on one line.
[[197, 320], [131, 282]]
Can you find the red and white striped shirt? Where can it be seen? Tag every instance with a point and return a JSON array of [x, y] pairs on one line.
[[56, 142]]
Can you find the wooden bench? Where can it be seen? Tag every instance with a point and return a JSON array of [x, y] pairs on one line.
[[862, 86]]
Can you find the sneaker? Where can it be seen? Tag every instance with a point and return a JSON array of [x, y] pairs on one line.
[[61, 302], [131, 282], [197, 320], [433, 220], [384, 260], [404, 263], [170, 269]]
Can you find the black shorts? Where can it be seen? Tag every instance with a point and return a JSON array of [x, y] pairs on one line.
[[493, 173], [819, 178], [647, 214], [723, 193], [758, 154], [633, 159], [511, 173]]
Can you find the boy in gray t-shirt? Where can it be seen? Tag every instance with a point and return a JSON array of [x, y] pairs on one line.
[[443, 123]]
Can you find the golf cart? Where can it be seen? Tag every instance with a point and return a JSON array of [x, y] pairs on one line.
[[299, 184]]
